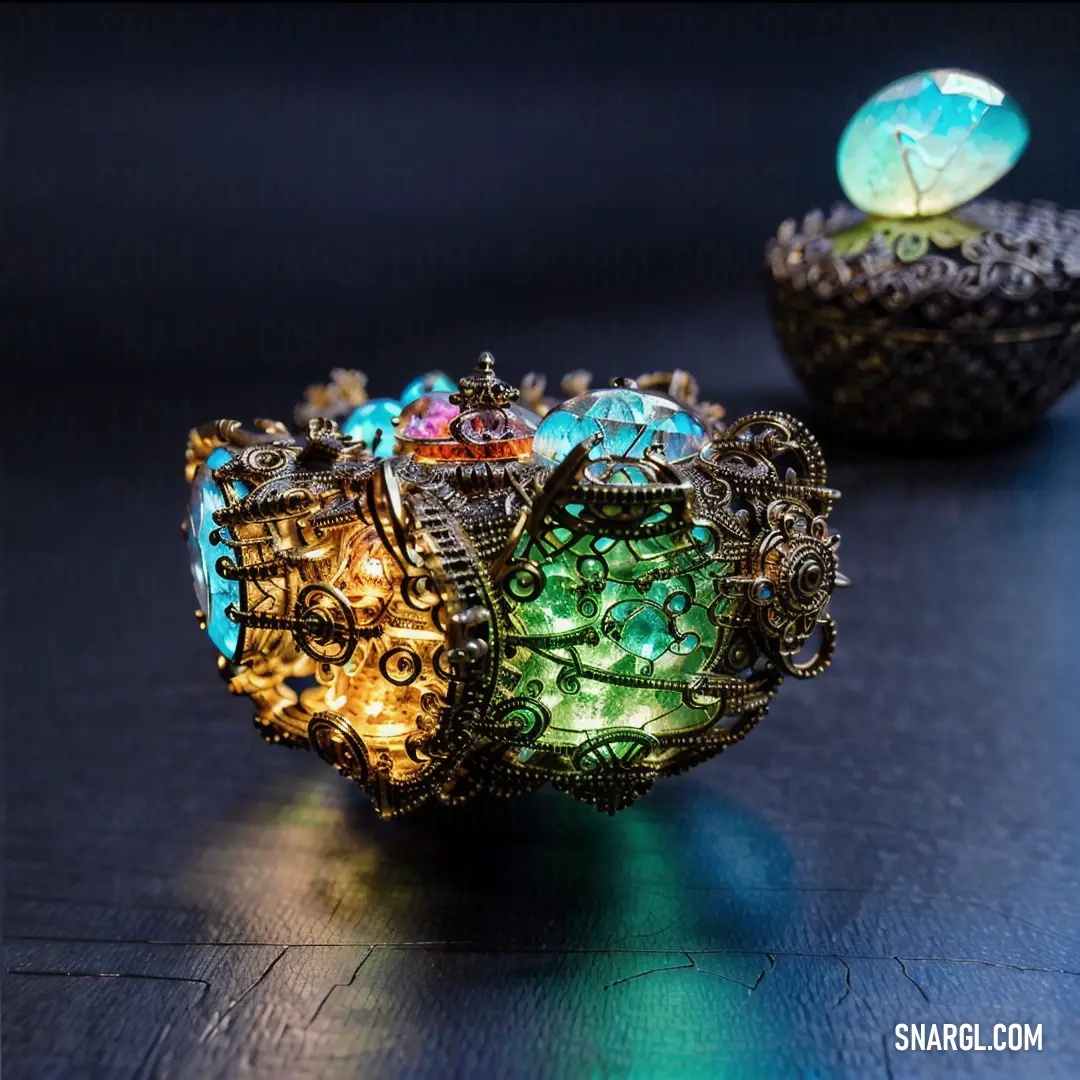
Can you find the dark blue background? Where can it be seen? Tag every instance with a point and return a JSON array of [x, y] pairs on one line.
[[227, 186]]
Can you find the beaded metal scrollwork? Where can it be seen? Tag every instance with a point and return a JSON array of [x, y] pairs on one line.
[[960, 328]]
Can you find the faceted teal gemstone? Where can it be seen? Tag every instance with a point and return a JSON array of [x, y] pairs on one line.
[[639, 627], [378, 414], [629, 422], [425, 384], [219, 457], [928, 143], [214, 593]]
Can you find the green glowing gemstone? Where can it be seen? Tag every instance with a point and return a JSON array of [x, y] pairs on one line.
[[629, 422], [928, 143], [615, 640]]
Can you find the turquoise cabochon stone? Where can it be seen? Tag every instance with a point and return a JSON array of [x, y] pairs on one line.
[[432, 382], [629, 422], [213, 592], [928, 143], [378, 414]]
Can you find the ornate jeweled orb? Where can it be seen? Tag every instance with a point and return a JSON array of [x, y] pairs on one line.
[[918, 319], [472, 615], [927, 143]]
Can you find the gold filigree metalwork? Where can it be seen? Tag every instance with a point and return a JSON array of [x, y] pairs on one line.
[[333, 400], [422, 624]]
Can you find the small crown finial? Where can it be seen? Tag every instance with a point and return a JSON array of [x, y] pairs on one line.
[[484, 389]]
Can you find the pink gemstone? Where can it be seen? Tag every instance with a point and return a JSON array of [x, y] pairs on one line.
[[431, 420]]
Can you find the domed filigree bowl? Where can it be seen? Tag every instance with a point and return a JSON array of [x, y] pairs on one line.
[[929, 332]]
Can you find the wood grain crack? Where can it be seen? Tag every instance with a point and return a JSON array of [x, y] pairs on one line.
[[338, 986], [907, 976], [648, 933], [847, 980], [218, 1019], [986, 963], [761, 978], [693, 964], [113, 975], [475, 947], [652, 971]]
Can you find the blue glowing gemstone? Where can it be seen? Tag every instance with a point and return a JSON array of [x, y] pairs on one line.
[[432, 382], [214, 593], [378, 414], [629, 422], [928, 143]]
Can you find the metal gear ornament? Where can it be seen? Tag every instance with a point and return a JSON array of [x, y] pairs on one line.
[[508, 590]]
